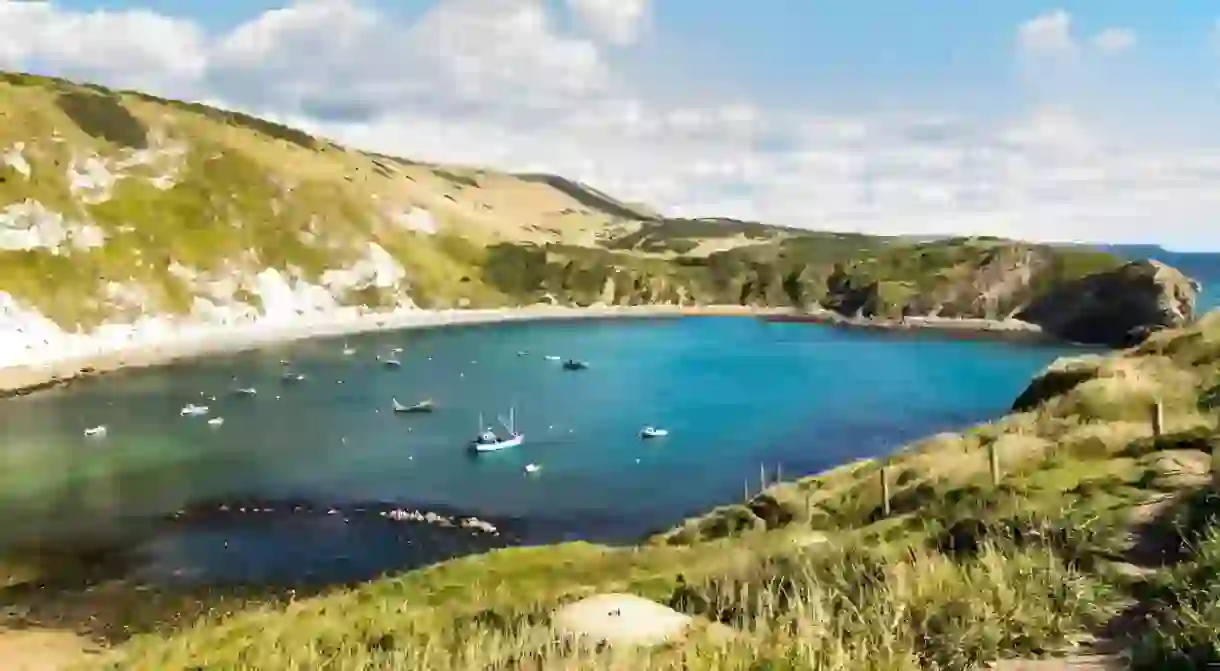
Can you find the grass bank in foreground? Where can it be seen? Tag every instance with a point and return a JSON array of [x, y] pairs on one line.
[[1091, 530]]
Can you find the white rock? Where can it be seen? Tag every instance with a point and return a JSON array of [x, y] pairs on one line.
[[622, 619]]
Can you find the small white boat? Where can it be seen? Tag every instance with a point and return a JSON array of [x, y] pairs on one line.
[[285, 362], [422, 406], [551, 357], [488, 441], [522, 352], [96, 431], [293, 377], [532, 468], [389, 362], [245, 391], [192, 410], [216, 421], [396, 350], [348, 351], [652, 432]]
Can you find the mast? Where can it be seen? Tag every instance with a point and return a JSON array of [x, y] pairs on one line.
[[512, 424]]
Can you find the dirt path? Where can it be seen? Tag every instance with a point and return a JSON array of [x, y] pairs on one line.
[[42, 649]]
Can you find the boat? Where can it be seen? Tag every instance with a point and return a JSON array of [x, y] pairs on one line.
[[192, 410], [522, 352], [488, 441], [389, 362], [532, 468], [422, 406], [216, 421], [573, 364], [292, 377], [653, 432], [348, 351], [245, 391], [396, 350], [551, 357], [96, 431]]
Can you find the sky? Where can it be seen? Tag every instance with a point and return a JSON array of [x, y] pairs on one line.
[[1082, 121]]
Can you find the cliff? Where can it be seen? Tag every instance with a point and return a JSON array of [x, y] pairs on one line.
[[124, 216]]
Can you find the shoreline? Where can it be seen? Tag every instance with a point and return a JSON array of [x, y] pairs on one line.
[[199, 341]]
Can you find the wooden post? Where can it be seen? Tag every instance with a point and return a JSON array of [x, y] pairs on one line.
[[1158, 418], [993, 457], [885, 491]]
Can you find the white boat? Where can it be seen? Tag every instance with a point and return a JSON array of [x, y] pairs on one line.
[[532, 468], [551, 357], [652, 432], [488, 441], [389, 362], [192, 410], [292, 377], [423, 406], [396, 350], [348, 351], [216, 421], [245, 391], [96, 432]]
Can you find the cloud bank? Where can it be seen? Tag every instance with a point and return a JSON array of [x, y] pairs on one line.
[[528, 85]]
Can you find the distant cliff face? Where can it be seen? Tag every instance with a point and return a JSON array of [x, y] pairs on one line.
[[1120, 307], [117, 207]]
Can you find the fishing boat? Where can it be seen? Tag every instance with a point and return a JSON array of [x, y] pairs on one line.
[[96, 432], [216, 421], [422, 406], [532, 468], [245, 391], [551, 357], [292, 377], [653, 432], [348, 350], [389, 362], [192, 410], [573, 364], [488, 441]]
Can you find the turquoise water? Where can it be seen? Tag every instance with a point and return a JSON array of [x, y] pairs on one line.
[[735, 394]]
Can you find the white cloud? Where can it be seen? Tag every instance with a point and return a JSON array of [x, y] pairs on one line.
[[1049, 33], [615, 21], [1114, 40], [503, 82]]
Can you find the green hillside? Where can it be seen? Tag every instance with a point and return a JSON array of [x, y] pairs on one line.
[[134, 204]]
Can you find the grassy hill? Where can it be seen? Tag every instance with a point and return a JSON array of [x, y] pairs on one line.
[[140, 205]]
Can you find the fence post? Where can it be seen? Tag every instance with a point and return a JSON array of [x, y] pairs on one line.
[[885, 491], [993, 458], [1158, 418]]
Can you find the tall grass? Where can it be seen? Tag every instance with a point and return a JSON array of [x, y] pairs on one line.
[[836, 607]]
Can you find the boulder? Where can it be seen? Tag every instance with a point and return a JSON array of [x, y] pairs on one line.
[[621, 619], [1118, 308]]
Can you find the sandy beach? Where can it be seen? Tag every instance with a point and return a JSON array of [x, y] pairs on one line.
[[45, 372]]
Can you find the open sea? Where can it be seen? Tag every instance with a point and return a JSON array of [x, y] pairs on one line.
[[295, 486]]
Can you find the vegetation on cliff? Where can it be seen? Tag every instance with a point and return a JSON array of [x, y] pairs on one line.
[[135, 205]]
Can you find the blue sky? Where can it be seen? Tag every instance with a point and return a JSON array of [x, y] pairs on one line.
[[1076, 120]]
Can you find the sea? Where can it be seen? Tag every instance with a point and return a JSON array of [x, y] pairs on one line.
[[303, 482]]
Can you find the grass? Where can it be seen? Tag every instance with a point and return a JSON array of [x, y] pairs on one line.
[[251, 194]]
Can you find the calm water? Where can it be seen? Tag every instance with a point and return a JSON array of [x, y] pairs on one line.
[[734, 393]]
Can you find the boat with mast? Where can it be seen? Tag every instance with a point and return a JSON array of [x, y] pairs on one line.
[[489, 441]]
